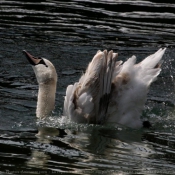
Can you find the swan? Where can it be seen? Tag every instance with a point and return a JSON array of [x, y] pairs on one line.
[[109, 91]]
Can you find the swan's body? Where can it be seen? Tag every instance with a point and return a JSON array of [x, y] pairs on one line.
[[108, 92]]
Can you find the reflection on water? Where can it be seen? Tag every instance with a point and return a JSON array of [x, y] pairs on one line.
[[93, 148], [99, 149], [69, 34], [39, 158]]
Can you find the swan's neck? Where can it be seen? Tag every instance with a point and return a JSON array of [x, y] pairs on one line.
[[46, 99]]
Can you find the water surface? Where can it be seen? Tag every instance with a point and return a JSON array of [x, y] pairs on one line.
[[69, 34]]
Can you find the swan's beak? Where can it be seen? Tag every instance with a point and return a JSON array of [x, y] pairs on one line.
[[32, 60]]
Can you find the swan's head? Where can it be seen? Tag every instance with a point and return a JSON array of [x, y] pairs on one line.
[[44, 70]]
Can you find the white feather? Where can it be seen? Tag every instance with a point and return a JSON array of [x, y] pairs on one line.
[[110, 92]]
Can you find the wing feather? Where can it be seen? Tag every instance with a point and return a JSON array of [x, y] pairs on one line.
[[89, 97], [130, 88], [112, 92]]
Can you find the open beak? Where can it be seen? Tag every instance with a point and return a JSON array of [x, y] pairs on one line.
[[32, 60]]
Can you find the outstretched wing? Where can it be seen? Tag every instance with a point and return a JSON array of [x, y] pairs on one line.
[[87, 100], [130, 87]]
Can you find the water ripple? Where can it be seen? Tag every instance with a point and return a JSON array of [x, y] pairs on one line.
[[69, 34]]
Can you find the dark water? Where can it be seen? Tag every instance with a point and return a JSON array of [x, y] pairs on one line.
[[69, 34]]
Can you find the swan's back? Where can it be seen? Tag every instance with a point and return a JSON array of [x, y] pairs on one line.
[[110, 92]]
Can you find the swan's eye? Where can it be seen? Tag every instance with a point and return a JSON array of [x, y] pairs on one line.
[[42, 62]]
